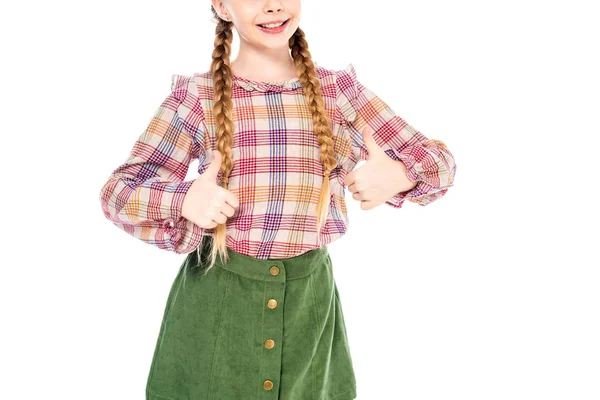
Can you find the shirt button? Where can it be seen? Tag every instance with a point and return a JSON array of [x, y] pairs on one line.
[[270, 343], [272, 303], [274, 270], [268, 385], [170, 223]]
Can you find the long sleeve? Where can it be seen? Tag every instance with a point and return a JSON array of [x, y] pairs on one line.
[[428, 162], [145, 194]]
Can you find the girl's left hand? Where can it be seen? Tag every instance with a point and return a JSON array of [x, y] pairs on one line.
[[379, 178]]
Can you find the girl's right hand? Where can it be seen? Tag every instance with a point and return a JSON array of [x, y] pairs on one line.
[[207, 204]]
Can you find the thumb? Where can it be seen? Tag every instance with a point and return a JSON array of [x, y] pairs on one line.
[[215, 166], [372, 147]]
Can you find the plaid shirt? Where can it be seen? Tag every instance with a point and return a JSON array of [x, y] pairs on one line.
[[276, 175]]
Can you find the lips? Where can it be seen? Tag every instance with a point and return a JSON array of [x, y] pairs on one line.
[[273, 22]]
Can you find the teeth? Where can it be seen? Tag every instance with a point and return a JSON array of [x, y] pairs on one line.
[[273, 25]]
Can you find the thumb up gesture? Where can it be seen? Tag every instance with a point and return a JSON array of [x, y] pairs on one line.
[[206, 203], [379, 178]]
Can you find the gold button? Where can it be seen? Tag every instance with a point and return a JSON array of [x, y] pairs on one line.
[[272, 303], [270, 343], [274, 270], [268, 385]]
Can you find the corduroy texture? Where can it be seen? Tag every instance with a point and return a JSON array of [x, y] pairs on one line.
[[212, 343]]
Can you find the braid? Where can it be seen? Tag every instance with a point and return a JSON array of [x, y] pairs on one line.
[[223, 114], [224, 126], [312, 89]]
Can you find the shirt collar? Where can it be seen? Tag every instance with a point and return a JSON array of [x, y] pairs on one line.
[[278, 86]]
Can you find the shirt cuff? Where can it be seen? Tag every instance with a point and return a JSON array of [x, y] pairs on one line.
[[175, 224], [422, 193]]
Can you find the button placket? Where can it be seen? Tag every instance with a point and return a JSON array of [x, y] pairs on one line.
[[270, 365]]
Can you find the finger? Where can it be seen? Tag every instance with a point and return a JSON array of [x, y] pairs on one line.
[[211, 225], [231, 199], [356, 187], [220, 218], [373, 148], [214, 167], [348, 179], [359, 196], [209, 222], [227, 209], [368, 204]]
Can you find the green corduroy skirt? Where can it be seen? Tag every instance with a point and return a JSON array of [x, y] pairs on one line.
[[253, 329]]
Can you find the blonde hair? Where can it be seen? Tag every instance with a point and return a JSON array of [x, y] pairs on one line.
[[223, 107]]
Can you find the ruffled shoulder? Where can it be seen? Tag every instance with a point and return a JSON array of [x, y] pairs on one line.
[[184, 88], [346, 85], [181, 85]]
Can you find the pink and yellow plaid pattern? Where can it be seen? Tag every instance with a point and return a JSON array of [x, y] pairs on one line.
[[276, 174]]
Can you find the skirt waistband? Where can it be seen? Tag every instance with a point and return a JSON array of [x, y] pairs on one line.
[[270, 270]]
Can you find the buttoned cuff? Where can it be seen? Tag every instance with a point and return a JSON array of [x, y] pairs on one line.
[[174, 223]]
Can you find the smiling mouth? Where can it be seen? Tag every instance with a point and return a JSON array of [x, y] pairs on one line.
[[283, 24]]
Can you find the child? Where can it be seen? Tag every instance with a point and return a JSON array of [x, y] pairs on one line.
[[264, 320]]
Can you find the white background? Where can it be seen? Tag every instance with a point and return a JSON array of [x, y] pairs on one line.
[[490, 293]]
